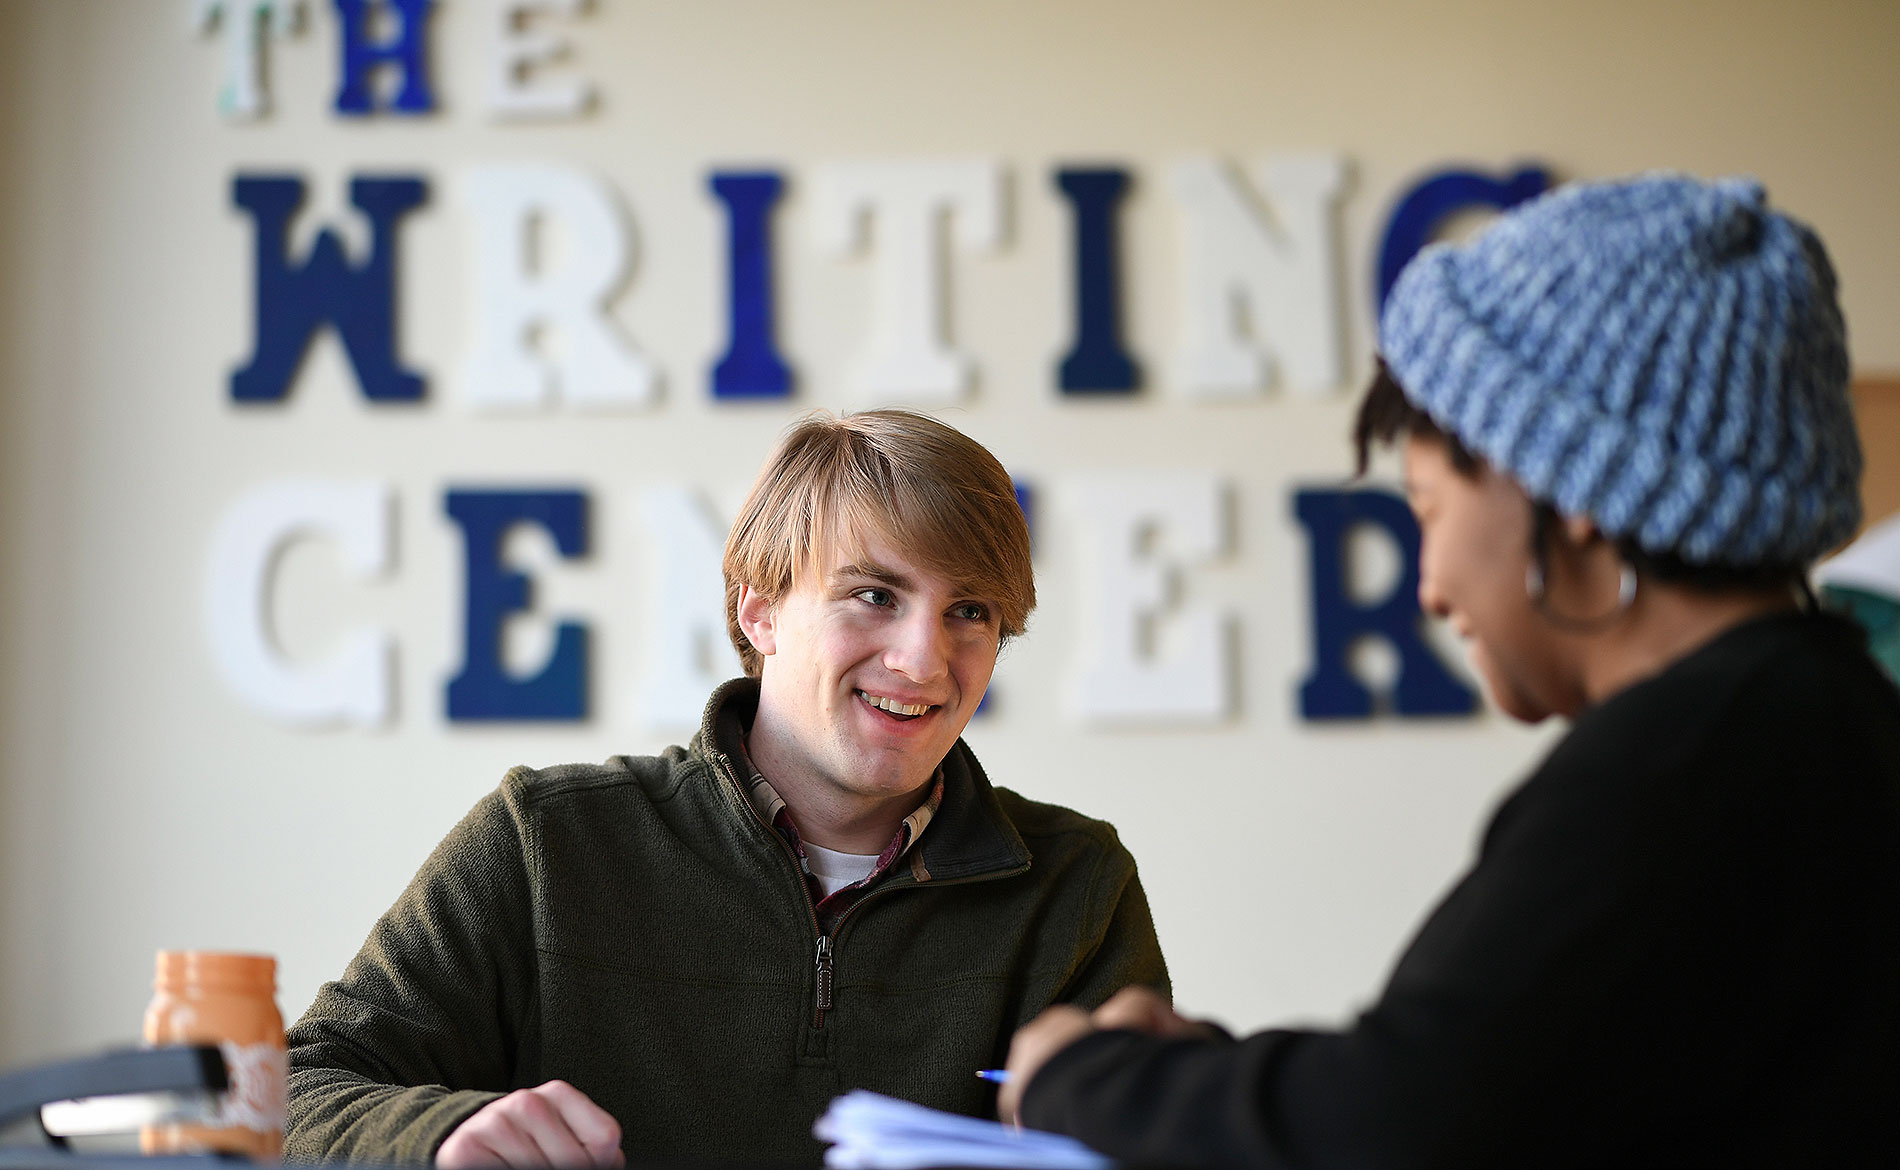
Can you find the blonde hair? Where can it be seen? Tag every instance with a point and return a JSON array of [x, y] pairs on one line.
[[925, 488]]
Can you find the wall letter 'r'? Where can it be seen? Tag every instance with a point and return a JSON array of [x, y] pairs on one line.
[[1424, 686]]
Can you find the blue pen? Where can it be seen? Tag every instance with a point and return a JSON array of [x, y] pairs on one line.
[[995, 1076]]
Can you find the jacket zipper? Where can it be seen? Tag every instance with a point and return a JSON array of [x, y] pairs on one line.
[[825, 944], [821, 999], [823, 957], [824, 981]]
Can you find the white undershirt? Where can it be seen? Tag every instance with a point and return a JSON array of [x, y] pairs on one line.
[[835, 870]]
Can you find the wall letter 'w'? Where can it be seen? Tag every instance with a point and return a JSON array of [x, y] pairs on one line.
[[293, 302]]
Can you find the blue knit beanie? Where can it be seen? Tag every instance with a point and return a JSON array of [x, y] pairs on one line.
[[1663, 355]]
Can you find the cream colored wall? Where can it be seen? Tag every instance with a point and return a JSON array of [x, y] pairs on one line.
[[144, 807]]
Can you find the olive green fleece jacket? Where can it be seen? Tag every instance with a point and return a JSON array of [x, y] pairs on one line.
[[635, 929]]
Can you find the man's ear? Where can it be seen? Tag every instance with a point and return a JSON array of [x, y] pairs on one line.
[[758, 620]]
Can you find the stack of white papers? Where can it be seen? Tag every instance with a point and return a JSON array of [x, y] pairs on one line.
[[875, 1132]]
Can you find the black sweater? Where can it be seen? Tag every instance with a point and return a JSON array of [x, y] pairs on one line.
[[1680, 946]]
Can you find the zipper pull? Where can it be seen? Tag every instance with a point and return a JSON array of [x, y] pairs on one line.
[[824, 977]]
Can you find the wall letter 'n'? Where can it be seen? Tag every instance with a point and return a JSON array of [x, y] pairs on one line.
[[294, 302]]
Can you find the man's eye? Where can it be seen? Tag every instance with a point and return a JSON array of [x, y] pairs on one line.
[[970, 611], [874, 596]]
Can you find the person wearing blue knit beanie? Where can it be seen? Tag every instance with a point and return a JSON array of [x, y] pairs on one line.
[[1624, 417]]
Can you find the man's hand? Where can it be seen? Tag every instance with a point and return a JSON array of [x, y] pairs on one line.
[[554, 1124], [1136, 1009]]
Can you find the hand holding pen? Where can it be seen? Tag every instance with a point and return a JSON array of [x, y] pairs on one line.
[[1135, 1009]]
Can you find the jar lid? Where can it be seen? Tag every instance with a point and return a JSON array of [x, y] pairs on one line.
[[223, 969]]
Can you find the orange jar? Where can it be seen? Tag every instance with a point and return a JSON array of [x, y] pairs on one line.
[[202, 997]]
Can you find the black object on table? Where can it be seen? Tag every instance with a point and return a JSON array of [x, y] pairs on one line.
[[178, 1070]]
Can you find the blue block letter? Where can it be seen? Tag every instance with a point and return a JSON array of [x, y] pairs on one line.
[[1424, 686], [752, 367], [1097, 363], [408, 50], [484, 691], [1436, 198], [293, 302], [1026, 500]]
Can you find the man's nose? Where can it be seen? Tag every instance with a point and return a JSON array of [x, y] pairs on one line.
[[1429, 598], [920, 650]]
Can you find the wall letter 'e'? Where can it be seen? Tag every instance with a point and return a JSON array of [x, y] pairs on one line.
[[1424, 686], [484, 690], [353, 685], [520, 51], [1144, 662]]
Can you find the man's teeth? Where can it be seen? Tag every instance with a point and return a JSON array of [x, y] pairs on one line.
[[893, 706]]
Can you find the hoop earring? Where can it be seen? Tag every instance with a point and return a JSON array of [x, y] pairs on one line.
[[1626, 583]]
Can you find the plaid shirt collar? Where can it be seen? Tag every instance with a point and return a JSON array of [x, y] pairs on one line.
[[771, 808]]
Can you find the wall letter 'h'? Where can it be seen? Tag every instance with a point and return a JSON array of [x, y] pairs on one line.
[[293, 302], [408, 49]]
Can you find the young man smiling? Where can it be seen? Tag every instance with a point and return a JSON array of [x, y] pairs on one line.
[[692, 953]]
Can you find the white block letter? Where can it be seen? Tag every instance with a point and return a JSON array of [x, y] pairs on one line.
[[518, 51], [1148, 658], [904, 206], [1276, 270], [521, 292], [353, 685], [243, 94], [689, 652]]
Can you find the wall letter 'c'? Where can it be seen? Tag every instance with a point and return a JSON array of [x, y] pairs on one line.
[[352, 686], [1437, 197]]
